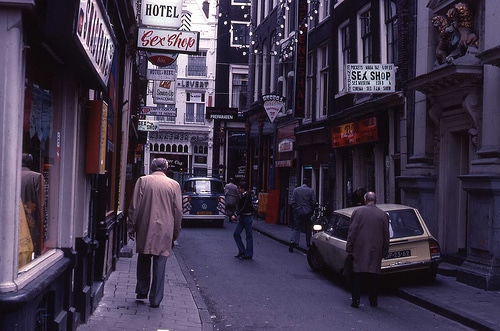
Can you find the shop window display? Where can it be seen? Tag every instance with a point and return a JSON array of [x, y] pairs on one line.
[[39, 174]]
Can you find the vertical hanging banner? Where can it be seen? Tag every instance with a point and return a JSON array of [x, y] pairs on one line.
[[273, 105], [301, 60]]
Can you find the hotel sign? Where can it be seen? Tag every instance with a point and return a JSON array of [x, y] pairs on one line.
[[161, 74], [168, 40], [158, 13], [370, 78]]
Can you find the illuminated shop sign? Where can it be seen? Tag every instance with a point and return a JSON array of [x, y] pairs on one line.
[[354, 133]]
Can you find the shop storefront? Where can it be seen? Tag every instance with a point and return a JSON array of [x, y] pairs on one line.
[[60, 158], [365, 151]]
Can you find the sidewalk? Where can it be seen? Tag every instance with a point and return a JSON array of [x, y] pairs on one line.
[[182, 308], [468, 305]]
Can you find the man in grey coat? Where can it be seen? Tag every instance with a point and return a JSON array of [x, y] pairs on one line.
[[368, 243], [303, 202], [154, 221]]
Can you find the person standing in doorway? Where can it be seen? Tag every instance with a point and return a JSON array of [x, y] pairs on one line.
[[303, 202], [232, 196], [154, 221], [245, 218], [368, 243]]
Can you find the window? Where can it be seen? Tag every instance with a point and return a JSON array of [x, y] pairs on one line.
[[239, 84], [240, 34], [391, 21], [345, 53], [309, 88], [323, 10], [40, 171], [323, 82], [195, 107], [197, 64], [366, 36]]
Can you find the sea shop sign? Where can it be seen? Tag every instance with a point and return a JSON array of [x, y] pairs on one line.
[[168, 40], [370, 78]]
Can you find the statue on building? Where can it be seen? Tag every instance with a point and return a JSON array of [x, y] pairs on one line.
[[456, 33]]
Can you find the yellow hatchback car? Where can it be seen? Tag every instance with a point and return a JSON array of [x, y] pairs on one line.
[[412, 247]]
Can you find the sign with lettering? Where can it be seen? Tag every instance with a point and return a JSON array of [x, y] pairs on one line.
[[164, 92], [169, 111], [286, 145], [217, 113], [161, 74], [161, 13], [370, 78], [148, 125], [96, 38], [192, 83], [168, 40], [354, 133], [273, 104]]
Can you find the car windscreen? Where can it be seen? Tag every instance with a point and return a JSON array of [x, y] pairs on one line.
[[404, 223], [203, 186]]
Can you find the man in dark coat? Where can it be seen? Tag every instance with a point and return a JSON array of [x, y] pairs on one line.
[[303, 202], [368, 242]]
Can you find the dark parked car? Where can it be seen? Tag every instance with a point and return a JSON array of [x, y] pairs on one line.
[[203, 200], [412, 247]]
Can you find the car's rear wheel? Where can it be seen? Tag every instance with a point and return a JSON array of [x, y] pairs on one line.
[[315, 259]]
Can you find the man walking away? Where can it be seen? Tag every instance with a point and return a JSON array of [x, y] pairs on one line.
[[303, 202], [232, 197], [154, 221], [368, 242]]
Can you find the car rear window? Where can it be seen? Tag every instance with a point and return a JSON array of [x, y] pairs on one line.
[[404, 223], [203, 186]]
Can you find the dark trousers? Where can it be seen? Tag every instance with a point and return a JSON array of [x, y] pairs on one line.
[[244, 223], [372, 282], [144, 285]]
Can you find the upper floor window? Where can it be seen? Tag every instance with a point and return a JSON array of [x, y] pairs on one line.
[[195, 107], [391, 21], [323, 10], [240, 34], [365, 36], [239, 87], [197, 64], [344, 46], [309, 88], [322, 82]]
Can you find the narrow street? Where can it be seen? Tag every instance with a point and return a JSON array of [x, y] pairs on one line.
[[278, 291]]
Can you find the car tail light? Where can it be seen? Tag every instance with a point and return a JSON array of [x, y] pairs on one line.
[[434, 249]]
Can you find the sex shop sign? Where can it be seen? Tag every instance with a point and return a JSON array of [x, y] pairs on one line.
[[168, 40]]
